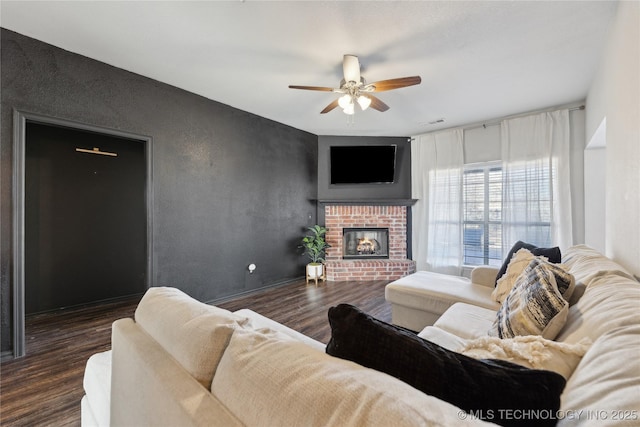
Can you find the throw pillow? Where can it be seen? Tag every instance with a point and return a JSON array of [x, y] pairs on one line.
[[564, 280], [552, 254], [516, 266], [533, 307], [194, 333], [532, 351], [519, 262], [486, 387]]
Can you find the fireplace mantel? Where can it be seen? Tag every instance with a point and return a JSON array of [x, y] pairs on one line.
[[368, 202]]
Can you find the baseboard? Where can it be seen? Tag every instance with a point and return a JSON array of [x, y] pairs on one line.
[[254, 291], [6, 355], [88, 304]]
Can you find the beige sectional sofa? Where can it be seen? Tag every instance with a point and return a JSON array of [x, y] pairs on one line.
[[181, 363], [602, 320]]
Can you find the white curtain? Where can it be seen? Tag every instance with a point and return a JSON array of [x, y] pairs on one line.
[[437, 161], [536, 180]]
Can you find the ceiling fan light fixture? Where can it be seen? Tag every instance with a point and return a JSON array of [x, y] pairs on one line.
[[364, 102], [344, 101], [354, 88], [349, 109]]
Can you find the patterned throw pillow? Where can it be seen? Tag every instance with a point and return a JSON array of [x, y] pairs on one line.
[[552, 254], [564, 280], [533, 307], [519, 262], [516, 266]]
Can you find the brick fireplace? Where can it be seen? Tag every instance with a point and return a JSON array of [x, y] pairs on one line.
[[344, 216]]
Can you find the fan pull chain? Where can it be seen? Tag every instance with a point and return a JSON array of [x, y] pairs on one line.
[[351, 120]]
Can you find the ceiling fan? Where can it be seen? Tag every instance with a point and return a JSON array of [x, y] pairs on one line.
[[357, 90]]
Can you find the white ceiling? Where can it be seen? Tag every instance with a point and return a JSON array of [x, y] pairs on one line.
[[478, 60]]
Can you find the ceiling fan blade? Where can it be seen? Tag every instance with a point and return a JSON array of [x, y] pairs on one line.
[[321, 88], [351, 68], [391, 84], [376, 104], [330, 107]]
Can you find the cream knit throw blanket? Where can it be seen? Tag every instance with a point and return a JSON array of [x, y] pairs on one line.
[[531, 351]]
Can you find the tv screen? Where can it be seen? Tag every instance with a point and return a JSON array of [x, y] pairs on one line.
[[362, 164]]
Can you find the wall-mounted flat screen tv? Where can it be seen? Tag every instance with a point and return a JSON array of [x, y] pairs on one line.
[[362, 164]]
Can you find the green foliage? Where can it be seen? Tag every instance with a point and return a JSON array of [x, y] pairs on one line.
[[314, 243]]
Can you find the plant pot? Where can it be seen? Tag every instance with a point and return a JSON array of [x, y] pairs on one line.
[[315, 272]]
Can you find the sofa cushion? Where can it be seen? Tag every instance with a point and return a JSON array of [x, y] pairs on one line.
[[524, 259], [585, 263], [258, 321], [533, 307], [442, 338], [87, 417], [466, 321], [269, 379], [605, 387], [481, 386], [552, 254], [611, 301], [194, 333], [435, 292], [419, 299], [532, 351]]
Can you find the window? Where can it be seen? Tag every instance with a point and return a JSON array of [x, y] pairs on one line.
[[482, 214], [527, 201], [483, 209]]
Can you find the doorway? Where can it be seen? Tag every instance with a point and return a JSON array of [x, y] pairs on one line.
[[84, 211]]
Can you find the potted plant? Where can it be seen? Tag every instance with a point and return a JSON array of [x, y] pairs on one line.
[[314, 245]]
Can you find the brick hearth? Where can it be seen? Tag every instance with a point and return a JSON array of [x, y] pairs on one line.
[[394, 218]]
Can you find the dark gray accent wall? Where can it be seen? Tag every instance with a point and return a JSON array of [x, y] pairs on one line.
[[229, 188], [376, 194], [400, 189]]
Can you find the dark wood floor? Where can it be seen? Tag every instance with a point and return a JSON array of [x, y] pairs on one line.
[[304, 307], [45, 387]]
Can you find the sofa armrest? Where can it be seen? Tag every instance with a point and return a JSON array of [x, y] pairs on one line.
[[149, 387], [97, 387], [484, 275]]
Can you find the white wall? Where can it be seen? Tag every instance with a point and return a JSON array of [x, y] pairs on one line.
[[615, 95], [594, 208], [595, 178], [482, 144]]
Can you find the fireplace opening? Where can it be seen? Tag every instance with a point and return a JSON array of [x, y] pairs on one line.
[[365, 243]]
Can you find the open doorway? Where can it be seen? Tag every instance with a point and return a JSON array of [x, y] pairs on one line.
[[82, 216]]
